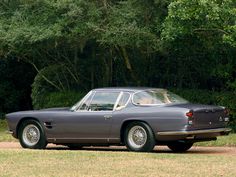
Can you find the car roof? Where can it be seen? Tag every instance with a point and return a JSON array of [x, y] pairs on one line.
[[127, 89]]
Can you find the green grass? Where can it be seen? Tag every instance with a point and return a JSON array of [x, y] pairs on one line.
[[3, 125], [107, 163], [4, 135], [229, 140]]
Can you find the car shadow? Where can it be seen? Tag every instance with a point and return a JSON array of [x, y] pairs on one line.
[[159, 149]]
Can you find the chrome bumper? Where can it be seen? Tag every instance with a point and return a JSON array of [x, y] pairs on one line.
[[194, 132]]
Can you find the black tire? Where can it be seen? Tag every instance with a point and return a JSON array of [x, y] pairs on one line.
[[144, 142], [180, 146], [28, 140], [74, 146]]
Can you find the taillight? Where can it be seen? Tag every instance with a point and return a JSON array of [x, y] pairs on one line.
[[189, 114]]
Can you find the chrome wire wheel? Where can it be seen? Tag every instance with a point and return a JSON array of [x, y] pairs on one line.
[[31, 135], [137, 136]]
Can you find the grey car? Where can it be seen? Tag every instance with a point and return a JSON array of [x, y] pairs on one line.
[[138, 118]]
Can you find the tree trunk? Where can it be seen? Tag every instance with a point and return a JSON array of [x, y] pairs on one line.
[[128, 65]]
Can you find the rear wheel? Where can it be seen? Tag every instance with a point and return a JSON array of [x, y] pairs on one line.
[[139, 137], [180, 146], [31, 135]]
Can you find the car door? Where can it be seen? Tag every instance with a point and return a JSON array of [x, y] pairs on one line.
[[91, 121]]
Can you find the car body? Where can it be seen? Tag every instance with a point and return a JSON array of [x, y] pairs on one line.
[[139, 118]]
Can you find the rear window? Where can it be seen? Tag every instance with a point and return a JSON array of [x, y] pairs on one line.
[[156, 97]]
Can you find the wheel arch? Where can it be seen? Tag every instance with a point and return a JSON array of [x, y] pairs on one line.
[[21, 121], [126, 123]]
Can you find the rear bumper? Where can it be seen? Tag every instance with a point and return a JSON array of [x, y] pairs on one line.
[[196, 132]]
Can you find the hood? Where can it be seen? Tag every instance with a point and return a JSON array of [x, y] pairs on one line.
[[56, 109], [30, 112]]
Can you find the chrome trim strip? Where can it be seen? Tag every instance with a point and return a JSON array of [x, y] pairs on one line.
[[216, 130], [127, 102], [77, 105], [117, 100]]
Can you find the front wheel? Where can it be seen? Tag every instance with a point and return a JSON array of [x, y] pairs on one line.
[[31, 135], [180, 146], [139, 137]]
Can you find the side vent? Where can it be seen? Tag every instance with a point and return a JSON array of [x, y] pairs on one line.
[[48, 125]]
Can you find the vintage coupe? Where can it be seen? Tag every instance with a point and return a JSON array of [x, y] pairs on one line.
[[139, 118]]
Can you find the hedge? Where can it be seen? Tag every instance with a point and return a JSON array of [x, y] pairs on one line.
[[58, 99]]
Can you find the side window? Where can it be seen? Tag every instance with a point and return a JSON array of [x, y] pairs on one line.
[[103, 101], [123, 101]]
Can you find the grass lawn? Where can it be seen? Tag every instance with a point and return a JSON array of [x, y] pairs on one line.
[[4, 136], [229, 140], [17, 162]]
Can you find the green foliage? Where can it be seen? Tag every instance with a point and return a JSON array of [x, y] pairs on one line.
[[2, 115], [50, 79], [3, 125], [4, 136], [193, 36], [208, 20], [131, 24], [58, 99]]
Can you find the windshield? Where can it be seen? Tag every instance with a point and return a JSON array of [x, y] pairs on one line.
[[86, 98], [156, 97]]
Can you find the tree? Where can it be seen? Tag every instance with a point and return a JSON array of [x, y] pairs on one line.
[[208, 29]]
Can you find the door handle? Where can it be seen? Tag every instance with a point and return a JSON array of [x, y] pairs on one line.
[[107, 117]]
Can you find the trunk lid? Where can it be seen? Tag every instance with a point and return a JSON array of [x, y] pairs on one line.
[[206, 116]]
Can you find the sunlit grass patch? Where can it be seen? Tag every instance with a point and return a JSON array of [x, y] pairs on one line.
[[229, 140], [107, 163]]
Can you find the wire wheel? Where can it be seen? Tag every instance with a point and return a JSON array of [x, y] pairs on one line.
[[137, 136], [31, 135]]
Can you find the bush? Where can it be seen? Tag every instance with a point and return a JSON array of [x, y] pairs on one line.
[[2, 116], [52, 87], [226, 99], [58, 99]]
